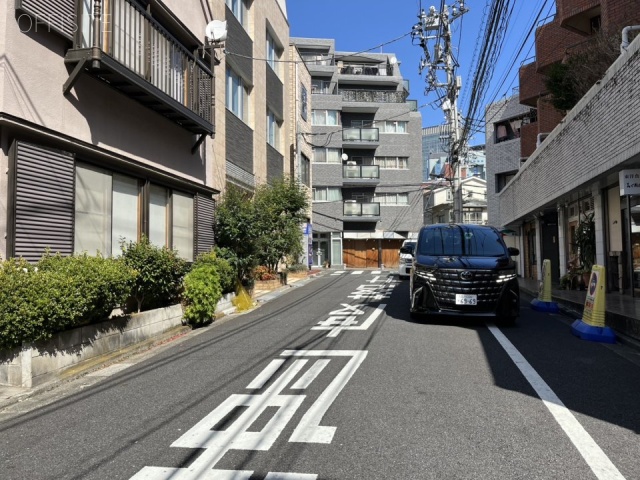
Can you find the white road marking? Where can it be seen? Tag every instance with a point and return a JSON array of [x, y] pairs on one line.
[[357, 272], [266, 374], [249, 408], [597, 460], [110, 370], [309, 429], [374, 279], [339, 272], [376, 272], [348, 322], [311, 374]]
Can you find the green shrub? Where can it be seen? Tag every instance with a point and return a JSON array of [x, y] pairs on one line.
[[201, 294], [104, 283], [160, 273], [226, 272], [298, 267], [57, 294]]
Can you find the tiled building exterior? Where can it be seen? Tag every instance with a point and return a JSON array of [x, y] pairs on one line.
[[576, 171], [367, 158], [252, 139]]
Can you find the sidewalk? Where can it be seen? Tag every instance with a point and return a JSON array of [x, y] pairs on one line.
[[622, 311], [10, 395]]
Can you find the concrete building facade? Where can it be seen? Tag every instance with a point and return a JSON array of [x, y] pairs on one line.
[[367, 158]]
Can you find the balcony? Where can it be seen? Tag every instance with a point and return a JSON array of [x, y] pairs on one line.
[[362, 137], [359, 175], [582, 17], [361, 212], [532, 85], [367, 69], [373, 96], [551, 42], [123, 46]]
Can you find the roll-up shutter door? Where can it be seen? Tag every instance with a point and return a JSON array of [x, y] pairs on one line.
[[44, 201], [56, 15], [205, 211]]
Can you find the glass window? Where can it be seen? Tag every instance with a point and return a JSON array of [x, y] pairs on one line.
[[460, 240], [392, 198], [327, 155], [272, 53], [183, 225], [158, 208], [92, 211], [303, 102], [236, 94], [125, 219], [305, 170], [238, 9], [273, 129], [327, 194], [390, 126], [398, 163], [325, 117]]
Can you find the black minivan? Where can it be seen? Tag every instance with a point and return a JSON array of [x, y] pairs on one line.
[[464, 269]]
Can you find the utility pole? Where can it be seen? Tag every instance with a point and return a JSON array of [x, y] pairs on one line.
[[433, 34]]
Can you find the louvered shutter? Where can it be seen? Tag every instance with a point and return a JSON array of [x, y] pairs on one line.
[[205, 211], [56, 15], [44, 201]]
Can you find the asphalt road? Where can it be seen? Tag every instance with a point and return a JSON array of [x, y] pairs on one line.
[[333, 381]]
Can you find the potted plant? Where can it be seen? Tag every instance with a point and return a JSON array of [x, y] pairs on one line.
[[585, 239]]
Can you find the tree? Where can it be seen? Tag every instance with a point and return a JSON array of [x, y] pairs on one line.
[[264, 228], [569, 81], [236, 230], [281, 207]]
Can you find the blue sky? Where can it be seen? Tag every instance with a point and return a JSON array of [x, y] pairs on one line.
[[358, 25]]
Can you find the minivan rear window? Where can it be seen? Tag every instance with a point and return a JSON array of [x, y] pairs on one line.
[[457, 240]]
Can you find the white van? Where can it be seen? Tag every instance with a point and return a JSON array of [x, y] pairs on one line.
[[406, 258]]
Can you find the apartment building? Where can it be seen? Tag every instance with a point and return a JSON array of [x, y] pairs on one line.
[[367, 158], [105, 126], [583, 168], [253, 140]]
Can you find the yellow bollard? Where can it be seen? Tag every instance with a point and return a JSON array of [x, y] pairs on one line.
[[592, 325], [544, 302]]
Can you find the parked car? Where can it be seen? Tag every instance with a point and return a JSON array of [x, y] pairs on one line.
[[406, 258], [464, 269]]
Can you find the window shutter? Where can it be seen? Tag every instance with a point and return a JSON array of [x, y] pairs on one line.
[[44, 201], [54, 15], [204, 235]]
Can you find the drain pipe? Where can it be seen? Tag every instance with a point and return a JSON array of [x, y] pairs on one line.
[[625, 37]]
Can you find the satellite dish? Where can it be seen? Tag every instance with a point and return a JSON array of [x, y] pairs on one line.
[[393, 60], [216, 31]]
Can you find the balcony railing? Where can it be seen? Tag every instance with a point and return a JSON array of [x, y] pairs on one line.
[[361, 171], [311, 59], [355, 209], [363, 69], [360, 135], [373, 96], [158, 70]]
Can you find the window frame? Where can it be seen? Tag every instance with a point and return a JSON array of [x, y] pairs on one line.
[[325, 114], [236, 94]]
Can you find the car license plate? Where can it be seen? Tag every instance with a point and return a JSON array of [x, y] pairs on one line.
[[466, 299]]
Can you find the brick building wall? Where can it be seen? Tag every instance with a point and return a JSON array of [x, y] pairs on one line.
[[586, 150]]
